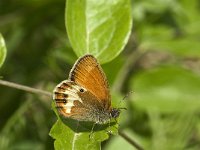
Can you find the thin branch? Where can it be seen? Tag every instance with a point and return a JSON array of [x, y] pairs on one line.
[[131, 141], [24, 88]]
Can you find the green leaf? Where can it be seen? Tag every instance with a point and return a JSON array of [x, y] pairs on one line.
[[174, 131], [167, 89], [163, 39], [2, 50], [190, 11], [72, 135], [101, 28]]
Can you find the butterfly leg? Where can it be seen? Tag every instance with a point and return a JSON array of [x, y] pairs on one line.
[[116, 122], [108, 131], [92, 130], [77, 125]]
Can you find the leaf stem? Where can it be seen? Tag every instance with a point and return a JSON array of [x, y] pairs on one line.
[[24, 88], [131, 141]]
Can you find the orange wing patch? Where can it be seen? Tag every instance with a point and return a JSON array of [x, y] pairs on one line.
[[88, 74]]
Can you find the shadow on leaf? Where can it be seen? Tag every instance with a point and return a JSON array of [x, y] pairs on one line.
[[83, 126]]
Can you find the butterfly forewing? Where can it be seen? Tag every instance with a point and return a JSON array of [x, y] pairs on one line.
[[88, 74]]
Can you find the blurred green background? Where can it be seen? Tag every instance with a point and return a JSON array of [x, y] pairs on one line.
[[160, 64]]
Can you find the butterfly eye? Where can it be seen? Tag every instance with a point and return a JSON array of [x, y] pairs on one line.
[[81, 90]]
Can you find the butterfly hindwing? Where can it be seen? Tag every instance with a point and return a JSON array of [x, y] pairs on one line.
[[65, 95], [72, 101]]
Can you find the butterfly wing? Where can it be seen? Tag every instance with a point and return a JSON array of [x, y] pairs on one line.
[[88, 73], [76, 102]]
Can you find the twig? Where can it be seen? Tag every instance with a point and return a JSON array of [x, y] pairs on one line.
[[131, 141], [25, 88]]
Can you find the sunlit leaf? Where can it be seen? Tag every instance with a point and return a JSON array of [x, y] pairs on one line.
[[2, 50], [101, 28], [167, 89], [164, 39], [173, 131]]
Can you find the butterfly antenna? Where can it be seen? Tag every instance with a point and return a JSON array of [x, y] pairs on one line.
[[124, 98], [127, 95]]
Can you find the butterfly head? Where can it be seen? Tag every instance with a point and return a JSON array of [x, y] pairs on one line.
[[114, 113]]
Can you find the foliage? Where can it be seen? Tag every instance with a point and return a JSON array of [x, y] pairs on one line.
[[2, 50], [163, 111], [100, 28], [104, 39]]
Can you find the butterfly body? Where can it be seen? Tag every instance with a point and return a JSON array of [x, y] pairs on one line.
[[85, 95]]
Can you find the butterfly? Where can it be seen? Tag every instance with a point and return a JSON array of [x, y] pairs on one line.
[[85, 95]]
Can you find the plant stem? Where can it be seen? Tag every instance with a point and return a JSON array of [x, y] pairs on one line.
[[131, 141], [25, 88]]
